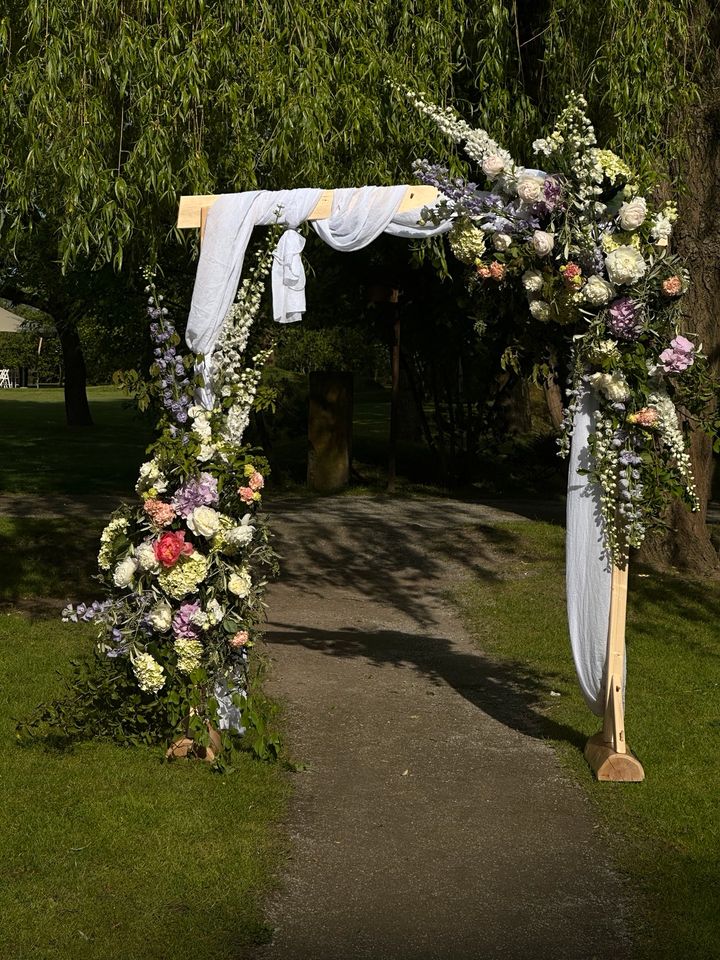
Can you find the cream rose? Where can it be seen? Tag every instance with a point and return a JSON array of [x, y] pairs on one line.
[[530, 189], [597, 291], [625, 265], [502, 241], [204, 521], [542, 242], [240, 583], [493, 165], [632, 214]]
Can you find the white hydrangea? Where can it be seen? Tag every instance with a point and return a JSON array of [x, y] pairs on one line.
[[613, 385], [540, 309], [467, 242], [215, 612], [150, 675], [532, 281], [151, 480], [189, 652], [116, 528]]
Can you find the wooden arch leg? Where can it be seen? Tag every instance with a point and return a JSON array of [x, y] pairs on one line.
[[607, 752]]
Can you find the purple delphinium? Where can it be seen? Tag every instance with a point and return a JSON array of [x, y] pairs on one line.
[[182, 623], [85, 612], [623, 321], [174, 383], [202, 492]]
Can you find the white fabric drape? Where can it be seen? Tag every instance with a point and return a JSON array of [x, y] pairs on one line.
[[588, 571], [358, 217]]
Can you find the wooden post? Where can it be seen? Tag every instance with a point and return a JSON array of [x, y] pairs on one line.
[[607, 752]]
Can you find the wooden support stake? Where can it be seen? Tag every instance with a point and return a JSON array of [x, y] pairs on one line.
[[607, 752]]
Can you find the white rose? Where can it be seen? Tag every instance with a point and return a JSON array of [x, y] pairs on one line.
[[239, 583], [145, 556], [493, 165], [542, 242], [204, 521], [625, 265], [124, 572], [160, 617], [530, 189], [532, 281], [597, 291], [502, 241], [633, 213], [613, 385], [540, 309]]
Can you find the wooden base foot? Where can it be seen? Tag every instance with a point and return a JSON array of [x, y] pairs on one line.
[[607, 764], [187, 748]]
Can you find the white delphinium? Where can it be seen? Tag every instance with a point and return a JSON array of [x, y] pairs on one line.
[[672, 437], [242, 388], [605, 457], [613, 385], [151, 479], [574, 135], [477, 143]]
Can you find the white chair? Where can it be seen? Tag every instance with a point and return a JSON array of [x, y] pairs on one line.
[[5, 379]]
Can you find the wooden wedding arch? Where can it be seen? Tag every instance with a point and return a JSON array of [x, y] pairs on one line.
[[607, 752]]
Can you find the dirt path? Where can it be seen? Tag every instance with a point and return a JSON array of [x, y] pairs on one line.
[[431, 824]]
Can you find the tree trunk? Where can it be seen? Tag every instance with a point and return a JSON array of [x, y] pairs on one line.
[[77, 409], [688, 545]]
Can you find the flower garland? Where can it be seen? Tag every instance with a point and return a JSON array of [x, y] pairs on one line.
[[185, 568], [592, 255]]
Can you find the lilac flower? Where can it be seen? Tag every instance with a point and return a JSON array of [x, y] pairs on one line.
[[195, 493], [623, 320], [679, 355], [183, 625]]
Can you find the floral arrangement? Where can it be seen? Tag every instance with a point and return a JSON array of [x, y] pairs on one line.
[[592, 255], [185, 567]]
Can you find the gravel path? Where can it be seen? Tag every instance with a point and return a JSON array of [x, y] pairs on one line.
[[431, 823]]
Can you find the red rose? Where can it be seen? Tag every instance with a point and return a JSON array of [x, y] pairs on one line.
[[170, 547]]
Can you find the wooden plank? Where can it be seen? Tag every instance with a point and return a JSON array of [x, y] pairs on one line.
[[190, 209]]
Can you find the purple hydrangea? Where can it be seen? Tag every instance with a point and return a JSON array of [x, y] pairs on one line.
[[623, 321], [182, 623], [202, 492]]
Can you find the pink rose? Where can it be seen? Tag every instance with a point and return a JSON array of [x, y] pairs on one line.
[[497, 270], [240, 639], [483, 271], [170, 547], [647, 417], [672, 287], [247, 494], [256, 481]]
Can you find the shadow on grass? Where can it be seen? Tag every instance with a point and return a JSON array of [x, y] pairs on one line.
[[47, 558]]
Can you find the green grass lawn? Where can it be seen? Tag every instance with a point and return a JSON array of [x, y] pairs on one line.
[[665, 831], [40, 454], [107, 851]]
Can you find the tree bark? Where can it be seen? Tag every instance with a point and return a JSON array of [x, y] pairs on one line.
[[77, 409], [687, 545]]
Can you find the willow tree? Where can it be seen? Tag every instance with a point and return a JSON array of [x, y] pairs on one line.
[[112, 110]]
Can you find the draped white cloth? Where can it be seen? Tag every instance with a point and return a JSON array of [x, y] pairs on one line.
[[358, 216], [588, 571]]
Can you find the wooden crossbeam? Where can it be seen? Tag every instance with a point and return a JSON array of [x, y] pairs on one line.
[[191, 207]]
